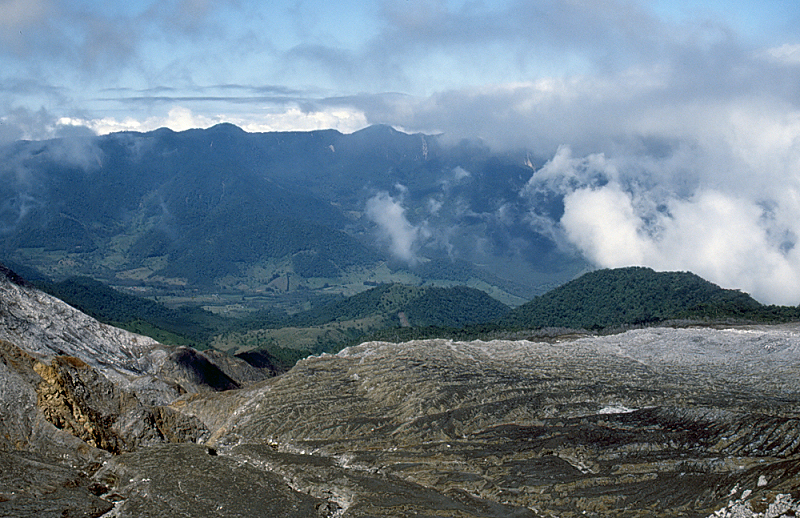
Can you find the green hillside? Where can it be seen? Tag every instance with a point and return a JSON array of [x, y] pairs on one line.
[[422, 306], [638, 296], [187, 325], [238, 221]]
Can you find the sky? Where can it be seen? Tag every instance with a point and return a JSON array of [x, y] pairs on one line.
[[670, 128]]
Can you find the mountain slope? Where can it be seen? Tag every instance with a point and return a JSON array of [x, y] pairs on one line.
[[193, 199], [630, 296], [258, 219], [69, 355], [654, 422]]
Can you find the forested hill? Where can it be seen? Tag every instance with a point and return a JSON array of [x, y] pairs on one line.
[[421, 306], [636, 296], [603, 299]]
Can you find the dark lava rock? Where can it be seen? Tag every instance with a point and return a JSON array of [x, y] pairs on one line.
[[198, 369], [35, 487]]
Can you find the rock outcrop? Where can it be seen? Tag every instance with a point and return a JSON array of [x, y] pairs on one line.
[[656, 422], [73, 391]]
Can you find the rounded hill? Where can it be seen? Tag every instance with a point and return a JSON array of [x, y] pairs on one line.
[[631, 296]]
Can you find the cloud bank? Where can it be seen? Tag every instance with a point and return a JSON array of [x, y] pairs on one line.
[[629, 211]]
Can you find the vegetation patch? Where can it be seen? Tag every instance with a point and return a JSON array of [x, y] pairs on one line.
[[600, 301]]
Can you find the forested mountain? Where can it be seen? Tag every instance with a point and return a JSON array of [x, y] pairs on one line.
[[227, 218]]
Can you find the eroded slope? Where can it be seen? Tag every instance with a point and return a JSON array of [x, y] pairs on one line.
[[646, 423]]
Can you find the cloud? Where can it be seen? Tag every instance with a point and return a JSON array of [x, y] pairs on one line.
[[180, 118], [623, 211], [402, 237], [788, 53], [603, 224], [23, 124], [88, 44]]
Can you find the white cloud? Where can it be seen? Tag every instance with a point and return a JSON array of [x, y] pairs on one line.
[[604, 225], [728, 240], [177, 119], [459, 173], [181, 118], [787, 53], [434, 205], [343, 119], [403, 237], [624, 211]]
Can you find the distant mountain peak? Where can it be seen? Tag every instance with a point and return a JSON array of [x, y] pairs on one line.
[[375, 128], [225, 127]]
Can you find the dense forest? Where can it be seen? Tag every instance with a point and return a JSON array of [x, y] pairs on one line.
[[640, 296]]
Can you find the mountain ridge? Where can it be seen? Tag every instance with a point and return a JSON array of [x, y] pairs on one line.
[[219, 214]]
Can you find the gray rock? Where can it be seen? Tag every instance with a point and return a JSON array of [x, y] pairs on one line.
[[652, 422]]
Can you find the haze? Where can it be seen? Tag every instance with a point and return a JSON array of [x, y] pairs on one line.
[[670, 129]]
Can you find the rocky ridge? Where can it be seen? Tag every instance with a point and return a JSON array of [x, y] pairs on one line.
[[74, 391], [652, 422]]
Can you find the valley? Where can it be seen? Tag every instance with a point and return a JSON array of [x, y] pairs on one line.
[[237, 221]]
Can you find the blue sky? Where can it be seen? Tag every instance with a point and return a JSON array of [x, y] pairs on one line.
[[689, 109]]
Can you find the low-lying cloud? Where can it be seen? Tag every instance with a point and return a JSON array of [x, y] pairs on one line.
[[623, 211], [403, 238]]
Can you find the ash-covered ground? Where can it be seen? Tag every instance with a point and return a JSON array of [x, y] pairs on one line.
[[651, 422]]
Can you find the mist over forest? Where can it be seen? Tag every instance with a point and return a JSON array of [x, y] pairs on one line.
[[222, 210]]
